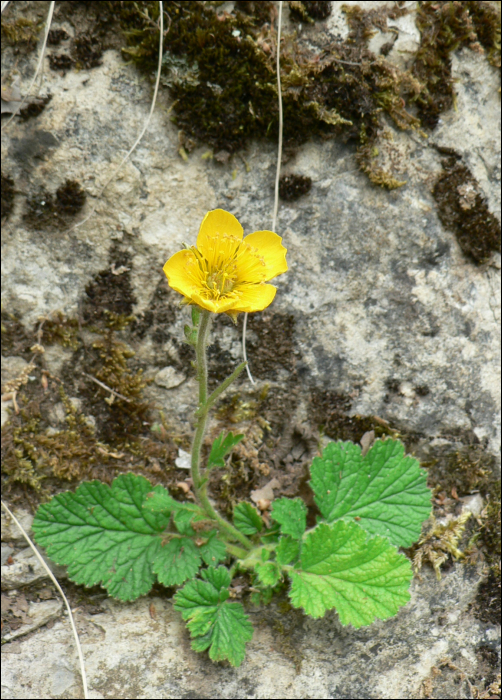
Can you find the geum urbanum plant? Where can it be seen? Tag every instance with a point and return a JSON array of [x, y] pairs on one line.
[[126, 536]]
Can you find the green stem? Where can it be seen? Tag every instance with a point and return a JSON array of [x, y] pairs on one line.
[[223, 386], [200, 485]]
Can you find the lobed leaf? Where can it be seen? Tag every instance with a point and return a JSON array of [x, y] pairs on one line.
[[385, 491], [104, 535], [221, 447], [213, 622], [341, 568], [291, 514], [247, 519]]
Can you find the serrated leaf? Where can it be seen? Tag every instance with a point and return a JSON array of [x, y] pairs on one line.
[[221, 447], [288, 550], [247, 519], [213, 551], [213, 622], [384, 490], [104, 535], [291, 514], [340, 567], [176, 561], [268, 573]]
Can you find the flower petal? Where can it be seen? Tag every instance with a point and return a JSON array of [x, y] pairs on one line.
[[183, 273], [261, 257], [219, 237], [217, 306], [253, 297]]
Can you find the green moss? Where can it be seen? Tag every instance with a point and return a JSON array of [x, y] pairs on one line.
[[464, 211], [20, 457], [61, 330], [21, 31]]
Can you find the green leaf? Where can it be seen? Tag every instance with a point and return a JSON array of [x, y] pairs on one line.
[[104, 535], [288, 550], [184, 517], [272, 535], [213, 622], [159, 501], [341, 568], [385, 491], [291, 514], [247, 519], [268, 573], [195, 315], [221, 447], [213, 551], [177, 560]]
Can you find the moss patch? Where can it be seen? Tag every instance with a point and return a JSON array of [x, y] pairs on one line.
[[15, 339], [221, 73], [22, 33], [8, 191], [464, 211], [309, 11], [330, 411], [446, 27], [109, 297], [292, 187], [51, 212]]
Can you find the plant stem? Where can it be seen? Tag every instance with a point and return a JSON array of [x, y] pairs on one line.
[[215, 395], [200, 485]]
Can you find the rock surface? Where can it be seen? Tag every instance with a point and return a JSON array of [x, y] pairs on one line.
[[382, 305]]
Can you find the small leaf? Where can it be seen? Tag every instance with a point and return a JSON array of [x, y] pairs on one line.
[[176, 561], [213, 551], [291, 514], [219, 577], [221, 447], [268, 573], [213, 622], [341, 568], [247, 519], [271, 535], [104, 535], [184, 517], [195, 315], [385, 490], [288, 550], [159, 501]]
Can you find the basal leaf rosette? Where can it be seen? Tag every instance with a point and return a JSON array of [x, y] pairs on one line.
[[225, 273]]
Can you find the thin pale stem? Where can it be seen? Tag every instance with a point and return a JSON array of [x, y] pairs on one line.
[[200, 484]]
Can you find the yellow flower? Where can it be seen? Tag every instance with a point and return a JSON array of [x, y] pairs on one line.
[[224, 273]]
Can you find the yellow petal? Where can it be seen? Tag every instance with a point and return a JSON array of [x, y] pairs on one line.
[[261, 257], [217, 306], [219, 237], [183, 273], [253, 297]]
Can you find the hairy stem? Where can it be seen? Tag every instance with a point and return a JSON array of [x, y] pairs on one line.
[[200, 484]]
